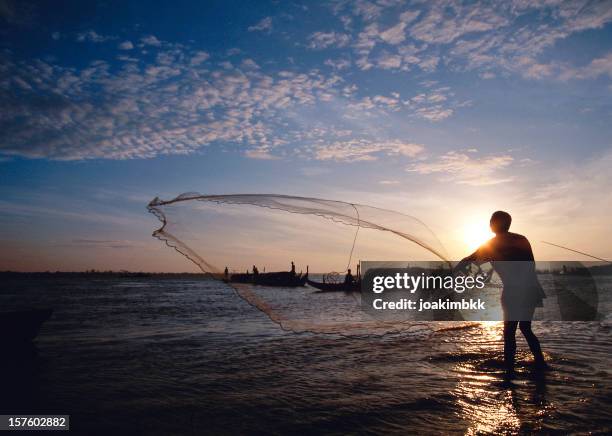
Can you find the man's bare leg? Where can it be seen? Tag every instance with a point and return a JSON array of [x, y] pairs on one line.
[[534, 343], [509, 344]]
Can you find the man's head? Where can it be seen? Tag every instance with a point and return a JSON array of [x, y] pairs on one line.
[[500, 222]]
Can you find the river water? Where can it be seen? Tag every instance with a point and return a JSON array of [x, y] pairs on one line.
[[189, 356]]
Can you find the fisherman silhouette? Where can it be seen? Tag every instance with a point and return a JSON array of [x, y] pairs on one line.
[[511, 256], [348, 278], [292, 268]]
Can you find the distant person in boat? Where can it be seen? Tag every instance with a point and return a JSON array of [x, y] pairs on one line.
[[348, 278], [255, 270], [226, 273], [511, 256], [292, 268]]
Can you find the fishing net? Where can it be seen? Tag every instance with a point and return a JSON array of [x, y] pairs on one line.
[[230, 236]]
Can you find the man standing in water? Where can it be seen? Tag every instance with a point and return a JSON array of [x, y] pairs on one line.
[[512, 258]]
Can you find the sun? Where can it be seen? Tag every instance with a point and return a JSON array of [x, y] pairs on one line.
[[474, 235]]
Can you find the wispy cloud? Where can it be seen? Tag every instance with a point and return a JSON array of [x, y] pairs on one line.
[[365, 150], [102, 243], [484, 36], [264, 25], [93, 36], [153, 97], [176, 100], [459, 167], [150, 40], [321, 40], [126, 45], [260, 153], [338, 64], [173, 105], [597, 67], [199, 57]]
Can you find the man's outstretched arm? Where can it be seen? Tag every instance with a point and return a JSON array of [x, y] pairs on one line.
[[463, 264]]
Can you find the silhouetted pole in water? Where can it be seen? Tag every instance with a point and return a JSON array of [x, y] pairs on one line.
[[512, 258]]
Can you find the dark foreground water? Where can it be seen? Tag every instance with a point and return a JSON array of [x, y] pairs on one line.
[[167, 356]]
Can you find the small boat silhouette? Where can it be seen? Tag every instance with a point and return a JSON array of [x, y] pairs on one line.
[[280, 279], [22, 326]]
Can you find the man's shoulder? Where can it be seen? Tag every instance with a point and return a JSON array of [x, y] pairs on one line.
[[517, 236]]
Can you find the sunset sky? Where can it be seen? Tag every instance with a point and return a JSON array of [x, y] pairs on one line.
[[442, 110]]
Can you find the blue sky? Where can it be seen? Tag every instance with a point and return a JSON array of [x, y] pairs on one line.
[[430, 108]]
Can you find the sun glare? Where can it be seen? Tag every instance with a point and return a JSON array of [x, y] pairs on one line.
[[474, 235]]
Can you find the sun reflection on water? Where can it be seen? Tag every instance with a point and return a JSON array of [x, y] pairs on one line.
[[491, 330], [487, 401]]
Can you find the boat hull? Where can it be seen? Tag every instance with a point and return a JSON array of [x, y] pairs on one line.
[[22, 326], [335, 287], [278, 279]]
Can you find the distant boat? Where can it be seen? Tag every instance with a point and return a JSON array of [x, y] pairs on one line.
[[280, 279], [22, 326], [335, 287], [353, 286]]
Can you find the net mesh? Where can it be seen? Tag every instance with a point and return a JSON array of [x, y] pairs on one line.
[[269, 233]]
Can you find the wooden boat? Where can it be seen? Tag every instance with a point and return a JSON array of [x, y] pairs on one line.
[[279, 279], [354, 286], [335, 287], [22, 326]]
